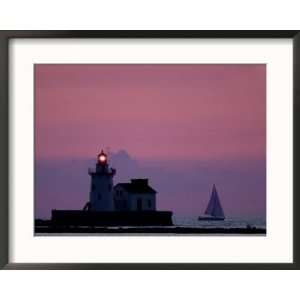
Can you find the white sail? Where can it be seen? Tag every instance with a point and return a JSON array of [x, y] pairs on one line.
[[214, 207]]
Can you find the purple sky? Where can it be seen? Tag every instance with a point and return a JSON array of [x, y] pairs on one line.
[[184, 127]]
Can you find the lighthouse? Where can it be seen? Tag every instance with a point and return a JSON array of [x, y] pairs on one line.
[[126, 204], [101, 191]]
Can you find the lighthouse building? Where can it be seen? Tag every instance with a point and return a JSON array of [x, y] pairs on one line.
[[137, 195], [126, 204], [101, 190]]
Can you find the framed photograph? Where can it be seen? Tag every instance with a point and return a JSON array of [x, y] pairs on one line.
[[149, 149]]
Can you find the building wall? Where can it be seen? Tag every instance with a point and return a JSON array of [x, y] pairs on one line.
[[133, 202], [120, 198], [142, 202], [101, 193]]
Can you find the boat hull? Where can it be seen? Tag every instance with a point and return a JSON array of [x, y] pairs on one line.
[[211, 218]]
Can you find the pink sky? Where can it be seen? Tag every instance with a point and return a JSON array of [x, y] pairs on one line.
[[153, 111], [185, 127]]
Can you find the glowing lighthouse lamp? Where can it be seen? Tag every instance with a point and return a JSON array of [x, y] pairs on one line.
[[101, 195], [102, 158]]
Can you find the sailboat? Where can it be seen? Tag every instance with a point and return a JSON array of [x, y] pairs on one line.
[[214, 210]]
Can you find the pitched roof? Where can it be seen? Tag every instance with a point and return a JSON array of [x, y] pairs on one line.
[[137, 188]]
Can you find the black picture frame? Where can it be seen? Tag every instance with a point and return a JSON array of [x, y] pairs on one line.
[[6, 36]]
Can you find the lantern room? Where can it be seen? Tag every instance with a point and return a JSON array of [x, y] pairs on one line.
[[102, 158]]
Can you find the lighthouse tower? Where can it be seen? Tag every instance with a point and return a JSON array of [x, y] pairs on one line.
[[101, 193]]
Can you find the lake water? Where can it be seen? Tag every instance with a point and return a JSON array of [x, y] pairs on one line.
[[227, 223]]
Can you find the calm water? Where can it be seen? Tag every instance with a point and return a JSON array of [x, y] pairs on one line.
[[227, 223]]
